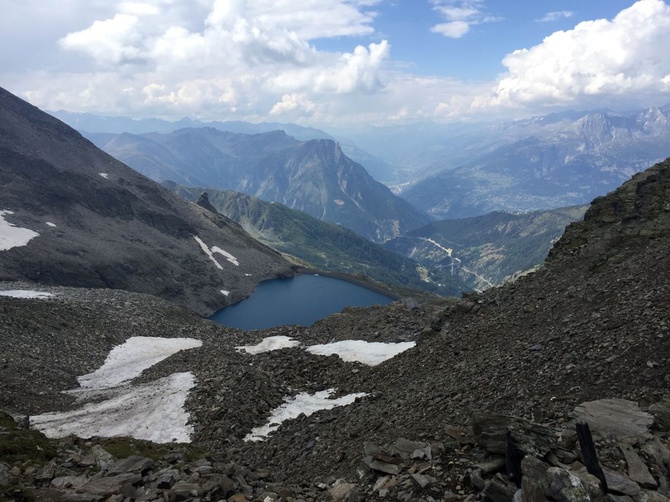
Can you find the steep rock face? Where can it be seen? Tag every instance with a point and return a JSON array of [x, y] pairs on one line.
[[638, 210], [312, 176], [101, 224]]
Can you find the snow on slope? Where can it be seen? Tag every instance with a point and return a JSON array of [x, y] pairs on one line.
[[152, 411], [302, 403], [370, 353], [24, 293], [12, 236], [130, 359]]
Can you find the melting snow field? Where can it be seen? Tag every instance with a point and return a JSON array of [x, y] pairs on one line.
[[370, 353], [152, 411], [302, 403], [130, 359], [269, 344], [25, 293], [12, 236]]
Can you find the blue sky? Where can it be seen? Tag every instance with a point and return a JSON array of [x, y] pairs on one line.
[[335, 62], [477, 54]]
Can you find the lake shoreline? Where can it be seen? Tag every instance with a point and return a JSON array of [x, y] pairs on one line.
[[303, 299]]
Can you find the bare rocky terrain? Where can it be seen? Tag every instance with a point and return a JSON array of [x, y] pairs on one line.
[[592, 324], [483, 407]]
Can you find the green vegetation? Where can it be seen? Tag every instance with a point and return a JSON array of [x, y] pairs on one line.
[[123, 447], [487, 249], [23, 445]]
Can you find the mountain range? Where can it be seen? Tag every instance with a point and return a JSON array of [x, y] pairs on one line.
[[312, 176], [323, 246], [486, 396], [73, 215], [542, 163]]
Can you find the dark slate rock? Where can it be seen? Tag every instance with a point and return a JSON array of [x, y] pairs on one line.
[[535, 483], [134, 463], [637, 469], [620, 484]]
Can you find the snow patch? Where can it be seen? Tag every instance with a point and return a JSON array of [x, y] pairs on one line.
[[216, 249], [50, 224], [370, 353], [224, 292], [269, 344], [104, 175], [12, 236], [24, 293], [302, 403], [153, 411], [131, 358]]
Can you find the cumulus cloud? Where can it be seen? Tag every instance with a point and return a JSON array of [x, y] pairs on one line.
[[236, 59], [595, 63], [111, 41], [211, 59], [460, 16], [556, 15]]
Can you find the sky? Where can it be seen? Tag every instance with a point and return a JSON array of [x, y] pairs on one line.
[[335, 62]]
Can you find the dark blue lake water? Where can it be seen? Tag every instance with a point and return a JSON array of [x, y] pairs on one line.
[[301, 300]]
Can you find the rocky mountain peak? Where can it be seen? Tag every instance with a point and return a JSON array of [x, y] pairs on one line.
[[203, 201]]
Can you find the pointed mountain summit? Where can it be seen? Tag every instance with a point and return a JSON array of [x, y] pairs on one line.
[[72, 215], [313, 176]]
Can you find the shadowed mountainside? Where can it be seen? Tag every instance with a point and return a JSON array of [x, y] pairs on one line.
[[314, 176], [486, 250], [322, 245], [99, 223]]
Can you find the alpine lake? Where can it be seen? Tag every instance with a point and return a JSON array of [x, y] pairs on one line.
[[300, 300]]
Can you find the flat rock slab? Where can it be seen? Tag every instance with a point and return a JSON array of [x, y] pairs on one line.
[[134, 463], [614, 417], [637, 469], [620, 484]]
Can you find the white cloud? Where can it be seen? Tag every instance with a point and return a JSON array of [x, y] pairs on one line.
[[460, 15], [235, 59], [293, 103], [556, 15], [111, 41], [595, 63], [223, 58]]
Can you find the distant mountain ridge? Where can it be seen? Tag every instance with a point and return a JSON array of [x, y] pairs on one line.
[[312, 176], [546, 162], [119, 124], [418, 150], [322, 245], [95, 222]]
